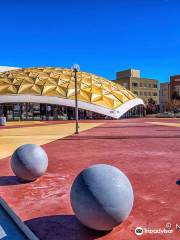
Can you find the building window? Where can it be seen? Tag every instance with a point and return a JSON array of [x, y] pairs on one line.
[[155, 85], [141, 85], [161, 93], [154, 94], [145, 84], [145, 93], [134, 84], [141, 93], [149, 85]]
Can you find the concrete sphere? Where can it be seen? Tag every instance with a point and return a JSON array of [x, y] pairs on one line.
[[101, 197], [29, 162]]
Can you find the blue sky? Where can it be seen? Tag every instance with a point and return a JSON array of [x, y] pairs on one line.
[[102, 36]]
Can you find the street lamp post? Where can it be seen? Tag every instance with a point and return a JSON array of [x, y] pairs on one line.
[[76, 69]]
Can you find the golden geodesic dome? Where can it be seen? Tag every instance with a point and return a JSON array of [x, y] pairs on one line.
[[59, 82]]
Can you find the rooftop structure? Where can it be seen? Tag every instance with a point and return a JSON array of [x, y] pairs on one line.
[[50, 85], [144, 88]]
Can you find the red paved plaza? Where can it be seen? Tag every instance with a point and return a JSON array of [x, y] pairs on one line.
[[148, 154]]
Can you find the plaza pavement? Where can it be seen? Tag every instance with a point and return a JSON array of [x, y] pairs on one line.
[[146, 150], [11, 138]]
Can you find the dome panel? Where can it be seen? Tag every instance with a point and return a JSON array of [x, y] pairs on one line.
[[70, 93], [36, 89], [25, 88], [96, 97], [4, 89], [96, 90], [39, 82], [12, 89], [108, 101], [50, 82], [5, 81], [47, 90], [84, 95], [61, 90], [119, 95]]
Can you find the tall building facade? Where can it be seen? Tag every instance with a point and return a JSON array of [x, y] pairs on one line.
[[175, 85], [169, 94], [144, 88], [164, 96]]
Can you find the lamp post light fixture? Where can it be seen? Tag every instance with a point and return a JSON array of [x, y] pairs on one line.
[[76, 69]]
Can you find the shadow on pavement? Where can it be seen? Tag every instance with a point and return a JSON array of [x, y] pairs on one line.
[[127, 126], [178, 182], [80, 137], [175, 130], [64, 227], [9, 180]]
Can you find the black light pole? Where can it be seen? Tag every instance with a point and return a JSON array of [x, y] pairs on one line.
[[75, 69]]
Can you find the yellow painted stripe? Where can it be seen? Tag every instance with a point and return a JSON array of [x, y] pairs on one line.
[[165, 124], [12, 138], [23, 123]]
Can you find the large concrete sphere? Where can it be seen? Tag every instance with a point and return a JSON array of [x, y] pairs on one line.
[[29, 162], [101, 197]]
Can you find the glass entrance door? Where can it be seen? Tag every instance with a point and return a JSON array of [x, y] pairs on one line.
[[9, 111], [23, 111], [17, 111], [29, 111], [36, 111]]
